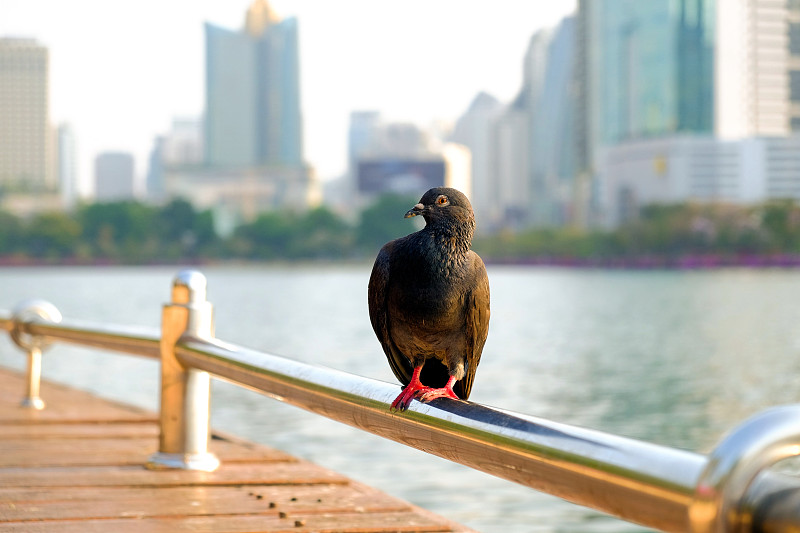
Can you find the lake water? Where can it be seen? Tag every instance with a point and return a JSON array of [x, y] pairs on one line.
[[671, 357]]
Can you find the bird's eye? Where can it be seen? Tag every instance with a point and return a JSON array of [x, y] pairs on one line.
[[442, 200]]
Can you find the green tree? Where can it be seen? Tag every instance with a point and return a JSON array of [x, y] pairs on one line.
[[11, 234], [321, 234], [52, 236], [120, 230], [183, 232], [780, 220], [383, 221], [267, 237]]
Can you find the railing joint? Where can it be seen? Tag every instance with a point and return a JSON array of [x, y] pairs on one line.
[[24, 314]]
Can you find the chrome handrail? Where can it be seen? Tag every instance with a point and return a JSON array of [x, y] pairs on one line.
[[653, 485]]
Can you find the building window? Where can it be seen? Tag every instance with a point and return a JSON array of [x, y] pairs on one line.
[[794, 85], [794, 38]]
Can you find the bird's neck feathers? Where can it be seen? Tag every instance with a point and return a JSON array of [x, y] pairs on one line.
[[453, 238], [447, 245]]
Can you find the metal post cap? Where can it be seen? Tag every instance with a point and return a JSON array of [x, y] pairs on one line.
[[189, 287], [32, 311]]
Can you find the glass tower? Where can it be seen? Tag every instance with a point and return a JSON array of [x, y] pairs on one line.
[[253, 93], [652, 68]]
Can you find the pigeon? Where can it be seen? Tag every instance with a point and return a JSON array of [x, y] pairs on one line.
[[428, 300]]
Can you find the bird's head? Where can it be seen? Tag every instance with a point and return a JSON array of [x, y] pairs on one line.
[[444, 206]]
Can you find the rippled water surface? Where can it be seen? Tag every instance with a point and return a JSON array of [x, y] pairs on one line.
[[671, 357]]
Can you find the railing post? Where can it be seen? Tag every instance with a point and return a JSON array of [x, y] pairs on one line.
[[185, 392], [756, 444], [26, 312]]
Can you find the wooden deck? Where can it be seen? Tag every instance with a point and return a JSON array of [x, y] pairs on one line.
[[77, 466]]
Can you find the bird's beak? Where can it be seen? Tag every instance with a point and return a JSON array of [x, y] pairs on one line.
[[414, 211]]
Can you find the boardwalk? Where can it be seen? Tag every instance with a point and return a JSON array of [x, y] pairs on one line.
[[77, 467]]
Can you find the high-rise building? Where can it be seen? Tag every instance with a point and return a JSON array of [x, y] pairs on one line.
[[26, 138], [253, 113], [511, 197], [752, 62], [154, 190], [794, 65], [524, 153], [252, 137], [730, 68], [686, 100], [183, 144], [362, 133], [475, 130], [67, 165], [650, 68], [114, 177], [548, 98]]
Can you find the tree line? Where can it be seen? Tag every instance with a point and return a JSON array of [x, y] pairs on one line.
[[129, 232], [685, 234], [136, 233]]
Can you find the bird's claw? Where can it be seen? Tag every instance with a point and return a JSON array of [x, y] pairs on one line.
[[402, 402], [428, 394], [423, 394]]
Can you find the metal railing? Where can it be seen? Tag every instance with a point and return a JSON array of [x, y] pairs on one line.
[[731, 489]]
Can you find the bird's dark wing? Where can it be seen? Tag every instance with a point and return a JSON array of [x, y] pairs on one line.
[[476, 323], [379, 317]]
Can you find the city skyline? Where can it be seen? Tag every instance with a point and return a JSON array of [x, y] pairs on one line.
[[405, 65]]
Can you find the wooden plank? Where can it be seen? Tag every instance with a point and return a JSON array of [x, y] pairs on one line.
[[115, 451], [64, 405], [78, 467], [61, 410], [93, 503], [136, 476], [400, 522], [102, 430]]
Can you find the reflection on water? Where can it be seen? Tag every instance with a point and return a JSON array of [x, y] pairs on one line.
[[675, 358]]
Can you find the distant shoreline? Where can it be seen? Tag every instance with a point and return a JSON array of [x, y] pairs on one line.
[[653, 262], [644, 262]]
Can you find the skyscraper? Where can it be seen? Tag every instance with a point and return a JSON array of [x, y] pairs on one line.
[[753, 68], [475, 130], [651, 67], [549, 102], [253, 93], [67, 165], [729, 73], [794, 65], [26, 139], [114, 177], [252, 140]]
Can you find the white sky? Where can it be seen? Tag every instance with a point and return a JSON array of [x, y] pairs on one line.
[[121, 71]]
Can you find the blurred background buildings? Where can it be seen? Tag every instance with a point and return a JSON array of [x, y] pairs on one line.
[[623, 104], [689, 100], [114, 172], [27, 141], [246, 157]]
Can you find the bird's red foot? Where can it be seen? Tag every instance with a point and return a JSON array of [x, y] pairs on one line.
[[410, 391], [429, 394], [445, 392], [415, 389]]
